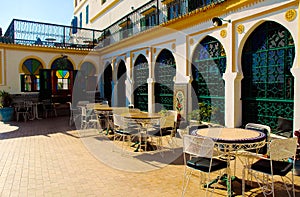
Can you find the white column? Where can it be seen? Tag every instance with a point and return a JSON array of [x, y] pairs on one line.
[[296, 74], [233, 103], [151, 98], [129, 84]]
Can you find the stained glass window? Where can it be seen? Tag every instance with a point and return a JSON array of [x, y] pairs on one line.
[[62, 79], [30, 80]]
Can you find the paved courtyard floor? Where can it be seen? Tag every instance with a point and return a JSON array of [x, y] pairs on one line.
[[49, 158]]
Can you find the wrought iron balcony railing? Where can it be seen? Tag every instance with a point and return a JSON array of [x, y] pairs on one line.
[[46, 34], [151, 14]]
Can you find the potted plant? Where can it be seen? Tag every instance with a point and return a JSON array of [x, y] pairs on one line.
[[297, 162], [6, 109], [203, 113]]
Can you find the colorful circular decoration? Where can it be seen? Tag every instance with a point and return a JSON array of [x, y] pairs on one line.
[[191, 41], [240, 28], [223, 33], [154, 50], [173, 46], [290, 15]]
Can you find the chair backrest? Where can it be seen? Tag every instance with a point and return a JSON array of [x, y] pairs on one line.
[[20, 106], [90, 105], [259, 127], [104, 102], [281, 149], [193, 128], [72, 108], [264, 129], [118, 121], [83, 111], [82, 103], [198, 146], [170, 119], [28, 103]]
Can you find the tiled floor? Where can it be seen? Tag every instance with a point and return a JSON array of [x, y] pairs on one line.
[[48, 158]]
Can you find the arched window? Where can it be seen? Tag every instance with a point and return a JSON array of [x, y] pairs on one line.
[[30, 80], [268, 84], [62, 79], [62, 67]]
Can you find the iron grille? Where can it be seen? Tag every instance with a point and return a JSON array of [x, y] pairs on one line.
[[209, 64], [267, 87]]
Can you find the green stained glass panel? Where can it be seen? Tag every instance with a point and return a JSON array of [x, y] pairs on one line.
[[267, 87]]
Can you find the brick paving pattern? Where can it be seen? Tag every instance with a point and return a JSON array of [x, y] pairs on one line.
[[47, 158]]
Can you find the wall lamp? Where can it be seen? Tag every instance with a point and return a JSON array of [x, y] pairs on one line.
[[218, 21], [64, 56]]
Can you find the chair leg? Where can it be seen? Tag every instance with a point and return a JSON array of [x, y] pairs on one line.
[[186, 180], [25, 117]]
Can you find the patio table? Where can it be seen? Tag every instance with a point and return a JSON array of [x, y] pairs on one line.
[[229, 141], [105, 110], [35, 114], [143, 119]]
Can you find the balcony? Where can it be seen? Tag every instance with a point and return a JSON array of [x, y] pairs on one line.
[[49, 35], [151, 14]]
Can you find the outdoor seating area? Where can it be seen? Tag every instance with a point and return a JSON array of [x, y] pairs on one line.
[[151, 98], [234, 151], [31, 108], [92, 147]]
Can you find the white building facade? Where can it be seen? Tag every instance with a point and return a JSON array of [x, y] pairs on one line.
[[247, 67]]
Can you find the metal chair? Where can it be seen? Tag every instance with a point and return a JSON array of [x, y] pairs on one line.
[[201, 158], [168, 128], [262, 128], [88, 118], [74, 113], [49, 107], [122, 130], [154, 130], [22, 109], [281, 161]]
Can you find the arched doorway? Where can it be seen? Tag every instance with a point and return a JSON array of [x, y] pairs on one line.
[[268, 85], [108, 83], [165, 71], [121, 77], [140, 76], [57, 82], [208, 67]]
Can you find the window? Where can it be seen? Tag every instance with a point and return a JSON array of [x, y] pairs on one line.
[[30, 80], [80, 20], [149, 18], [62, 79], [87, 14], [174, 10]]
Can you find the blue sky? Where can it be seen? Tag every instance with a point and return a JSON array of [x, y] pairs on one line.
[[49, 11]]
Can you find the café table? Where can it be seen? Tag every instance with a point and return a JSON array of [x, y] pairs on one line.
[[35, 114], [230, 141], [144, 119], [105, 110]]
